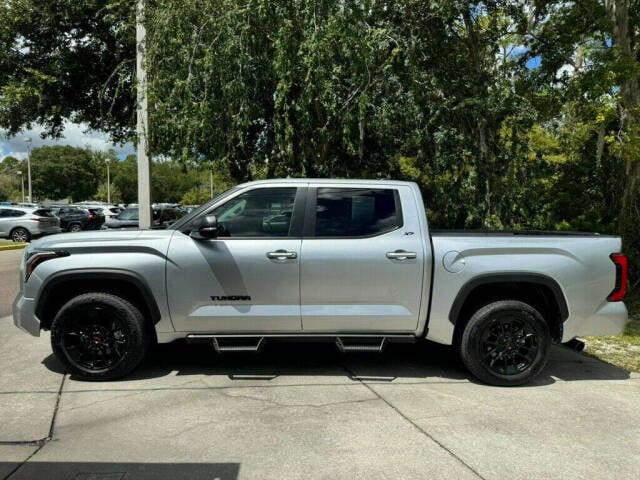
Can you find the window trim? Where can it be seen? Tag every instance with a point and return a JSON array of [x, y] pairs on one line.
[[309, 230]]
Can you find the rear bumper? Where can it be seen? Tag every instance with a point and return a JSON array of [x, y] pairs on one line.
[[609, 319], [24, 316], [38, 230]]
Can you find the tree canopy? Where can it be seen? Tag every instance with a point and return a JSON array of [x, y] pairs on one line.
[[508, 113]]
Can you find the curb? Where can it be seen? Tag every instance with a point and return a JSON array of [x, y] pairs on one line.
[[15, 246]]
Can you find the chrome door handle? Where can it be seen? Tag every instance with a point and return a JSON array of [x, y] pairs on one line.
[[401, 255], [281, 255]]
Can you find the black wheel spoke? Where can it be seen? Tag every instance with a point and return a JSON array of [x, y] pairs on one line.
[[509, 345], [94, 338]]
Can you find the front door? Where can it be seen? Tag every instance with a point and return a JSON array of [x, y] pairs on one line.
[[246, 279], [363, 261]]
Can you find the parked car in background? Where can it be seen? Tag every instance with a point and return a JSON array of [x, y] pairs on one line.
[[109, 211], [96, 218], [189, 208], [72, 219], [21, 224], [129, 219]]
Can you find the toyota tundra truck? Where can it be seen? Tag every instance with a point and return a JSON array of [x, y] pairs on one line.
[[349, 261]]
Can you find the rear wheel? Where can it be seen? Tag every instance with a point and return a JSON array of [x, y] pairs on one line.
[[505, 343], [99, 336], [75, 227], [20, 235]]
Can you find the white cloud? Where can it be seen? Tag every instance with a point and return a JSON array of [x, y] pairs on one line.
[[517, 50], [76, 135], [566, 69]]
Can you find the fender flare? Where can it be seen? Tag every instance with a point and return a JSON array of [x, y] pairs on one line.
[[534, 278], [100, 274]]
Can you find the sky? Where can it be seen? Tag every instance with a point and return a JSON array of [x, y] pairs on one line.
[[76, 135]]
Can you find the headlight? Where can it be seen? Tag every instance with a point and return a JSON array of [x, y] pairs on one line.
[[35, 258]]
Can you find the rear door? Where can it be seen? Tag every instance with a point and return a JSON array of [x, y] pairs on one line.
[[248, 278], [362, 260]]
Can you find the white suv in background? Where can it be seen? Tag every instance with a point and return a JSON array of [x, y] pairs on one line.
[[109, 211], [21, 224]]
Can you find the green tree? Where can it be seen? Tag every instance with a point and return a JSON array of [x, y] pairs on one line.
[[61, 172], [124, 176], [101, 193], [67, 60], [10, 180]]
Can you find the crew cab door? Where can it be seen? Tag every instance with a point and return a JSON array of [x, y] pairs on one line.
[[363, 260], [246, 279]]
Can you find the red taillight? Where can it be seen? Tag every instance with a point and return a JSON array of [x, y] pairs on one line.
[[91, 216], [622, 274]]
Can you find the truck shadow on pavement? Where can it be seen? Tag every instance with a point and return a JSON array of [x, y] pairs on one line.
[[118, 471], [423, 361]]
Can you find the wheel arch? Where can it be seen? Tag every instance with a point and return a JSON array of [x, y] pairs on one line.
[[61, 287], [538, 290]]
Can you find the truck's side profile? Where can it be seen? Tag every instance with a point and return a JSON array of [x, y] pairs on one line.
[[348, 260]]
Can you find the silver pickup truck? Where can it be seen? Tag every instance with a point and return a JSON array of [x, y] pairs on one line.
[[350, 261]]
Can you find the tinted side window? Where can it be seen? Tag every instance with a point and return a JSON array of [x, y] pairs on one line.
[[14, 213], [44, 213], [354, 212], [262, 212]]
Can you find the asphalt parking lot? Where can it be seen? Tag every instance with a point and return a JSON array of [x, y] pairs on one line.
[[306, 411]]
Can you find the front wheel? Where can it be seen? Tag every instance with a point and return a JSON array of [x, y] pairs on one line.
[[99, 336], [505, 343]]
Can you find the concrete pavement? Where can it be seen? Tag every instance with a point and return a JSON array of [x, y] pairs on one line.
[[305, 411], [9, 262]]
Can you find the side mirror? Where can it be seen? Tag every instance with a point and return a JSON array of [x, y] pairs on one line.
[[206, 227]]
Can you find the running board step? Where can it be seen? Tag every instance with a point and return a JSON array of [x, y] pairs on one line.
[[237, 344], [361, 344]]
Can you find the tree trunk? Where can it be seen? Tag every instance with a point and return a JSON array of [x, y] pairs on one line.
[[618, 12]]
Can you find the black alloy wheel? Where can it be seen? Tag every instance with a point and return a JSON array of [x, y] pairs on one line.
[[505, 343], [99, 336], [509, 345]]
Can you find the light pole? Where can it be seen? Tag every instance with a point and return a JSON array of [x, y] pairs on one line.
[[142, 122], [19, 172], [108, 160], [28, 142]]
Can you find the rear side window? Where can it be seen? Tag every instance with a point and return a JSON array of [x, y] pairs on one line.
[[44, 213], [355, 212], [8, 213]]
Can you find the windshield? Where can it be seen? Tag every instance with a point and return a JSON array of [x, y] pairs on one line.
[[128, 214], [202, 208]]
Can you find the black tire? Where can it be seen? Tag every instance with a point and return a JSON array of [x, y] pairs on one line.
[[75, 227], [99, 336], [20, 235], [505, 343]]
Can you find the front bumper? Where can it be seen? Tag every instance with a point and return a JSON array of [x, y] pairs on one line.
[[24, 316]]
